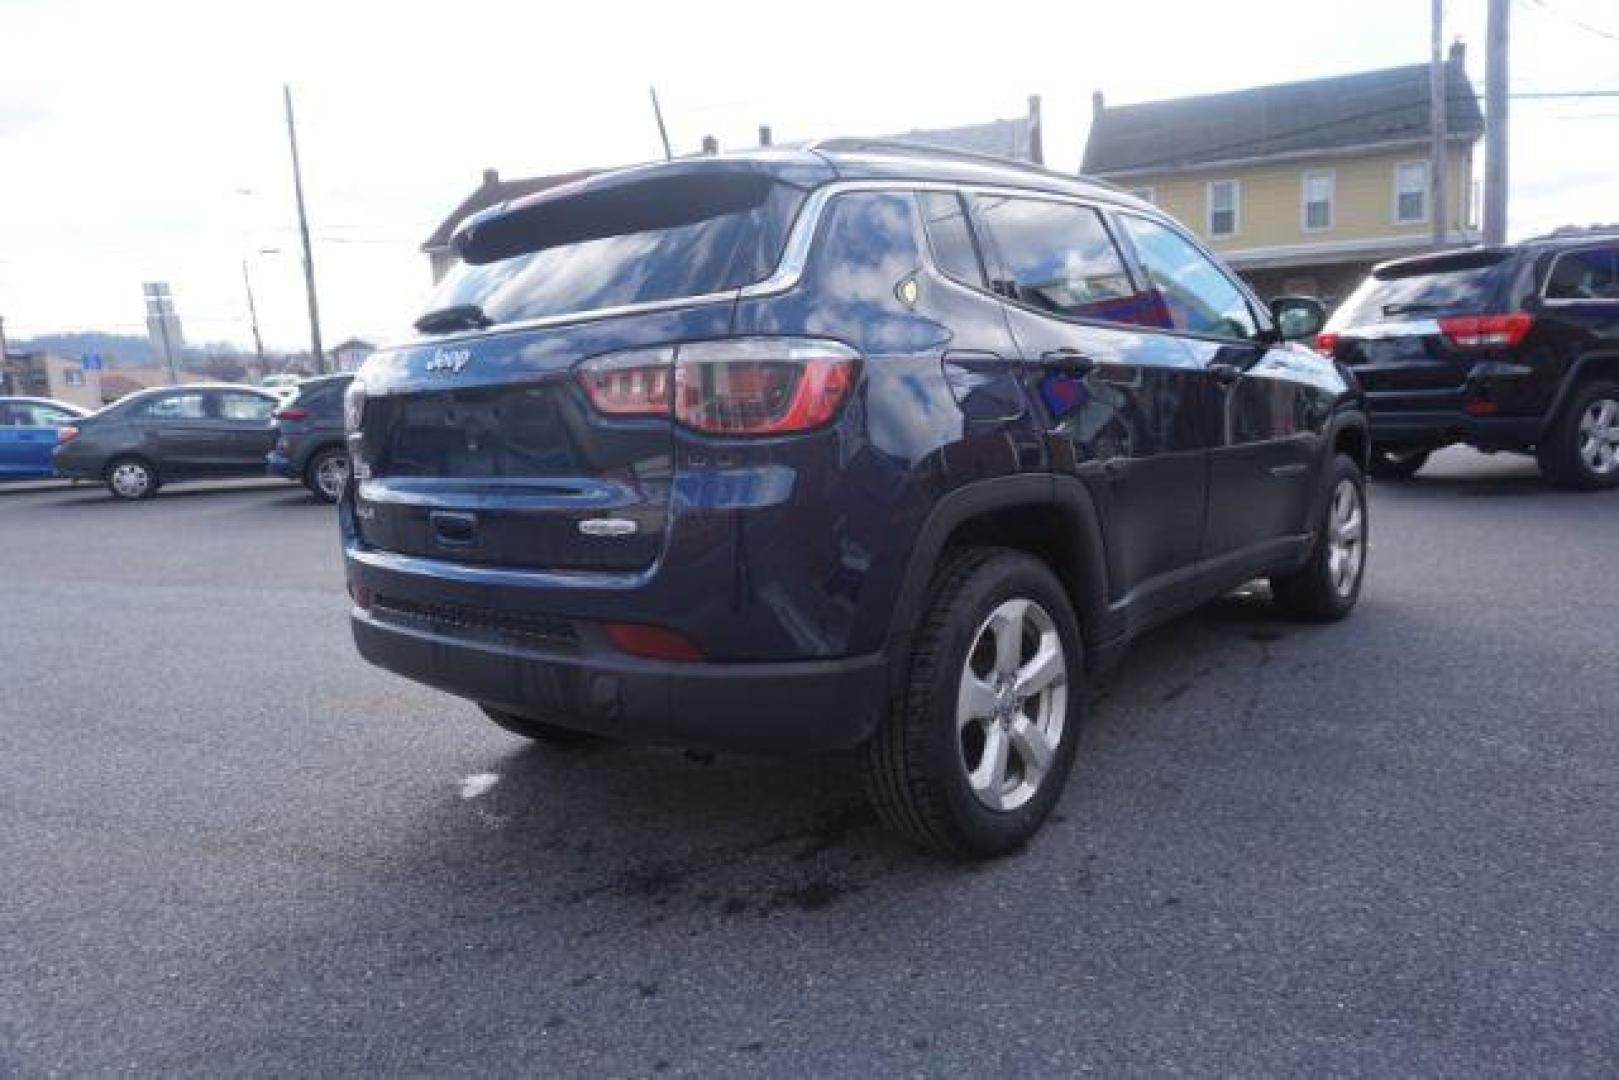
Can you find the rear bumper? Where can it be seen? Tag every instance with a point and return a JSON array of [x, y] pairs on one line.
[[774, 707], [1444, 428], [278, 464]]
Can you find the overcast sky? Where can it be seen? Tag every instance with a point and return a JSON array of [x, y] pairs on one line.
[[144, 141]]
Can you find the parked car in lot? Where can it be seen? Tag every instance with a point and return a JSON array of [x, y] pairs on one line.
[[28, 434], [1506, 348], [153, 437], [860, 446], [309, 437]]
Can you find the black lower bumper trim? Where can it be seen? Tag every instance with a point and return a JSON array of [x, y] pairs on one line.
[[774, 707], [1428, 429]]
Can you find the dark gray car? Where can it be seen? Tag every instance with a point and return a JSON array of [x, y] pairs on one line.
[[190, 432], [309, 437]]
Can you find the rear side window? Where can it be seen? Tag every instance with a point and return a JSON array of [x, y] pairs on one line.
[[176, 407], [1197, 295], [1591, 274], [951, 239], [245, 407], [1060, 258], [633, 243]]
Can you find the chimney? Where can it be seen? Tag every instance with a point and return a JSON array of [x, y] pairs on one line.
[[1036, 147], [1098, 103], [711, 145], [764, 134], [491, 177], [1458, 54]]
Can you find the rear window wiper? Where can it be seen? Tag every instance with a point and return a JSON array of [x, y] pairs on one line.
[[456, 317], [1411, 309]]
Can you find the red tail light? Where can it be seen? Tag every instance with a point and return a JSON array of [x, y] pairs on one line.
[[652, 642], [1485, 331], [292, 412], [1326, 342], [743, 386], [65, 435], [630, 384]]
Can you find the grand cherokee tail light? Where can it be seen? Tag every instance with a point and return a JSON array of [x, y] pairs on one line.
[[738, 386], [65, 435], [1485, 331]]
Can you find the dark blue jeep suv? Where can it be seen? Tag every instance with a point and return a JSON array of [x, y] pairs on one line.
[[863, 445]]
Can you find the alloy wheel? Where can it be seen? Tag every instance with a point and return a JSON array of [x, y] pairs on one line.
[[1599, 437], [1012, 705], [1346, 537], [331, 474]]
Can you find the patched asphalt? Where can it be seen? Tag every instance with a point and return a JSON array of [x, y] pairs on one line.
[[228, 846]]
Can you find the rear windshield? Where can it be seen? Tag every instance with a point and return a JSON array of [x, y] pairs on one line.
[[1421, 290], [660, 242]]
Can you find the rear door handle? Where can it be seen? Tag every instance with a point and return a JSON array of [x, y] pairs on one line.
[[1068, 361], [1225, 374]]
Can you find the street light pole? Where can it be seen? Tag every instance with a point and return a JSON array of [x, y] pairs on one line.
[[253, 317], [1438, 90], [303, 232]]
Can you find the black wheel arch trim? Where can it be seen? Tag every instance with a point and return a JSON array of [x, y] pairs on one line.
[[1085, 580], [1572, 378]]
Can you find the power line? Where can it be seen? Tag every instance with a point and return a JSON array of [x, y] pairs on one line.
[[1583, 25]]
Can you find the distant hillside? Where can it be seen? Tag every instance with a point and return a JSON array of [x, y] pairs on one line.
[[117, 350]]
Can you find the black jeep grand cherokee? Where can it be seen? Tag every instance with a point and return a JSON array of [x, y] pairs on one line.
[[857, 446], [1510, 348]]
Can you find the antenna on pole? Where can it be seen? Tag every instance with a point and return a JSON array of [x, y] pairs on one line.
[[303, 232], [663, 132]]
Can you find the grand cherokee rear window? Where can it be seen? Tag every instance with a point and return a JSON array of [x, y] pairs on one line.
[[1453, 282], [661, 238]]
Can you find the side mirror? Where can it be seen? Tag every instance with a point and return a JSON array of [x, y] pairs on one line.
[[1299, 318]]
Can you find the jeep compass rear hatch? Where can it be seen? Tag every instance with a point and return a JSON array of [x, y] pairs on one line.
[[512, 433], [1417, 326]]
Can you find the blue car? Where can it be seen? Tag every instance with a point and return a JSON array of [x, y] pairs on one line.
[[28, 434]]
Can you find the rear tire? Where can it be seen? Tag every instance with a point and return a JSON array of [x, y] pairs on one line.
[[1390, 464], [1326, 588], [539, 730], [1581, 451], [131, 478], [327, 473], [980, 742]]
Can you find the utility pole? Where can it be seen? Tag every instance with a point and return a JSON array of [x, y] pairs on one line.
[[303, 232], [1495, 126], [253, 317], [663, 132], [1438, 90], [1037, 138], [5, 350]]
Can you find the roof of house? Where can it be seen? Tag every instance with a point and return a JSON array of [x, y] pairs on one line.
[[1344, 111], [352, 343], [999, 138], [492, 192]]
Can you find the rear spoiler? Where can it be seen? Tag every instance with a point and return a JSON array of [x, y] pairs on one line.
[[1441, 262]]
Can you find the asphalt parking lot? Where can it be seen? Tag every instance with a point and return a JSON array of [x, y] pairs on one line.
[[1385, 846]]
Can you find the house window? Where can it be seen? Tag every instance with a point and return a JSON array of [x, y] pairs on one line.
[[1318, 193], [1411, 191], [1145, 194], [1224, 196]]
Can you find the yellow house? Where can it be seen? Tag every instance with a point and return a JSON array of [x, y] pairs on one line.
[[1300, 187]]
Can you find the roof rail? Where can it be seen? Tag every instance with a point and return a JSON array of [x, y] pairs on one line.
[[1565, 232], [854, 145]]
